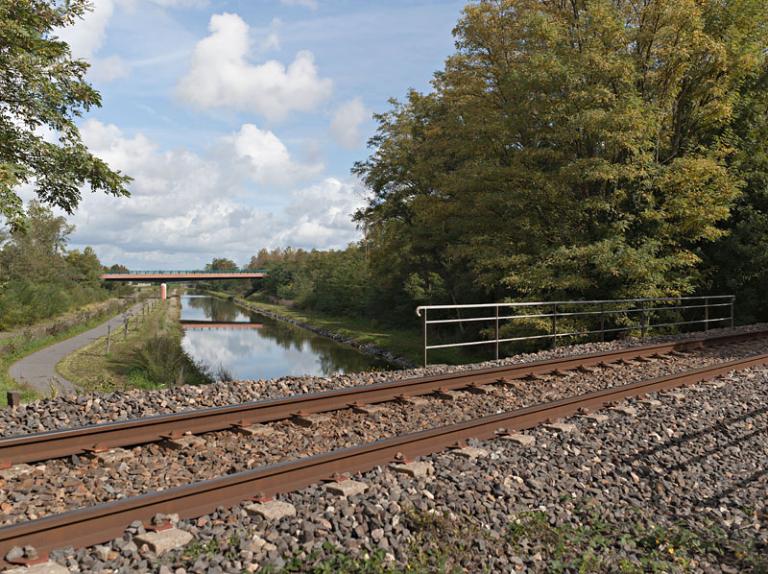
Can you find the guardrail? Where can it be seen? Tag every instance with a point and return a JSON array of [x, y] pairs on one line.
[[631, 315]]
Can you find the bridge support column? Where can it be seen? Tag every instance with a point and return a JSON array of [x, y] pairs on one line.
[[163, 291]]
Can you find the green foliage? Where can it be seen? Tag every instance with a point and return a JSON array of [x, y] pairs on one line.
[[221, 264], [335, 282], [42, 93], [39, 278], [580, 149], [591, 544], [333, 560]]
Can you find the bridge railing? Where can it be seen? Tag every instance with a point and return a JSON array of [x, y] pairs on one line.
[[498, 323], [185, 272]]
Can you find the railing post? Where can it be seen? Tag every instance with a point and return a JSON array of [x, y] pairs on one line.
[[13, 398], [602, 321], [706, 313], [733, 300], [425, 336], [554, 326], [497, 332]]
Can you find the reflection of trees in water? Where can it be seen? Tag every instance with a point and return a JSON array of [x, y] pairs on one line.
[[215, 309], [332, 356]]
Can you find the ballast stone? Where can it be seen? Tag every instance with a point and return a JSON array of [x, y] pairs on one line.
[[272, 510], [561, 427], [521, 439], [163, 541], [49, 567], [346, 487], [417, 469], [471, 452]]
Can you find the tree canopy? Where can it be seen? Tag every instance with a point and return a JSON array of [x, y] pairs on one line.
[[39, 276], [581, 148], [42, 92]]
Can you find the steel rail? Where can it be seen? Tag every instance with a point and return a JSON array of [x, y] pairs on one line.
[[99, 437], [106, 521]]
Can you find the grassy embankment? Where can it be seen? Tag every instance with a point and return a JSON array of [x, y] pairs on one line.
[[402, 342], [149, 357], [20, 343]]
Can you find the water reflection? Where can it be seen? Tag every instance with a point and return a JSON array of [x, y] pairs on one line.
[[273, 350]]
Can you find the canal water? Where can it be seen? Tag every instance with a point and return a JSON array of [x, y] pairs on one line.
[[251, 346]]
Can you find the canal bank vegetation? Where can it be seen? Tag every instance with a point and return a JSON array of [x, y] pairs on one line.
[[146, 355]]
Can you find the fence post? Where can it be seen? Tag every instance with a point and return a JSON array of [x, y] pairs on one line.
[[706, 313], [13, 398], [425, 337], [554, 326], [125, 328], [602, 321], [109, 330], [733, 300], [643, 320], [497, 332]]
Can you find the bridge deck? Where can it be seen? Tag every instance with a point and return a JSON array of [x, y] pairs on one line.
[[171, 277]]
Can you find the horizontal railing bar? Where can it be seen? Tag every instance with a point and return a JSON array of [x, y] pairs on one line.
[[572, 302], [571, 314]]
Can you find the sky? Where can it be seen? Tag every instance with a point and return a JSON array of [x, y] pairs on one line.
[[240, 120]]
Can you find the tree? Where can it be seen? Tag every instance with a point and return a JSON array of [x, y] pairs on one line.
[[221, 264], [42, 93], [568, 149], [39, 277]]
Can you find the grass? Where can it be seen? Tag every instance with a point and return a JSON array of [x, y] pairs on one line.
[[149, 357], [16, 347], [588, 544], [400, 341]]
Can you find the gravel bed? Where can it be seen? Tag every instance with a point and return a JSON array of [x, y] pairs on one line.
[[92, 408], [79, 481], [678, 486]]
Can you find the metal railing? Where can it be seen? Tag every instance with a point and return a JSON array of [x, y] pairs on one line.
[[631, 315], [185, 272]]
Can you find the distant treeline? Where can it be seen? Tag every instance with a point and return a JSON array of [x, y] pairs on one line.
[[566, 150], [39, 276]]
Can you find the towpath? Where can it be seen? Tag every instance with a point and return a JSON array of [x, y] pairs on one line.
[[38, 370]]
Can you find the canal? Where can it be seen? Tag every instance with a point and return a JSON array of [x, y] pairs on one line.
[[251, 346]]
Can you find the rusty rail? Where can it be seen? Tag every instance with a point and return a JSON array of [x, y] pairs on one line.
[[102, 522], [54, 444]]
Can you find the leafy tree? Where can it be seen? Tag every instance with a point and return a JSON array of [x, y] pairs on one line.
[[42, 93], [568, 149], [221, 264], [118, 268], [39, 278]]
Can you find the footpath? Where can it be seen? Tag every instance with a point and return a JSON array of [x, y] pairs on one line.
[[38, 370]]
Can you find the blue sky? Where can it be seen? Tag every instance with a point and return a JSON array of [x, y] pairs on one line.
[[240, 120]]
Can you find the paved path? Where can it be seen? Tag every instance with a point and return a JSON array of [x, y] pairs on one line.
[[38, 370]]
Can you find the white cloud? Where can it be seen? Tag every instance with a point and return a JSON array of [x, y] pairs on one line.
[[186, 208], [86, 38], [311, 4], [321, 214], [221, 76], [267, 157], [345, 126]]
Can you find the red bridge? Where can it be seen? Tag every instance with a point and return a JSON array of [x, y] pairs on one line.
[[178, 276], [164, 277]]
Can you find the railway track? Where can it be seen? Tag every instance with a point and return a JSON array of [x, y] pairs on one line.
[[88, 526], [102, 437]]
